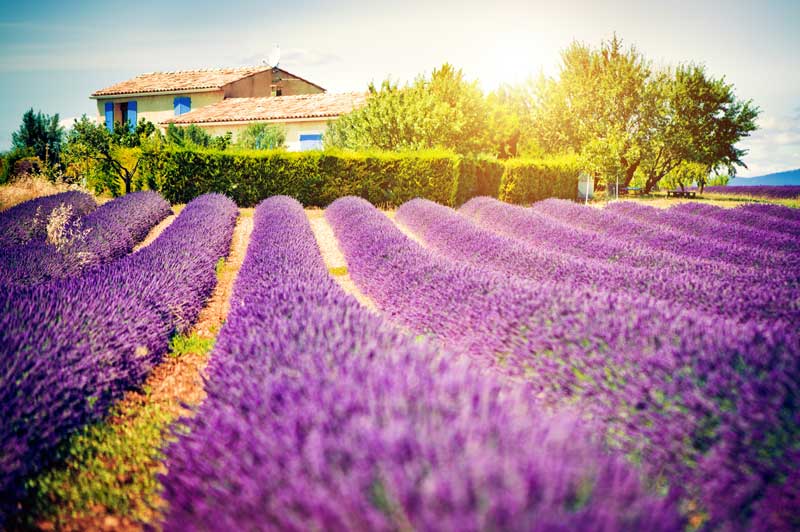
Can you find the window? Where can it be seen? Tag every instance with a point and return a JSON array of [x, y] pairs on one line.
[[278, 92], [310, 141], [182, 105]]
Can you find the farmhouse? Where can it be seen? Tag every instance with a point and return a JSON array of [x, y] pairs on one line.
[[225, 100]]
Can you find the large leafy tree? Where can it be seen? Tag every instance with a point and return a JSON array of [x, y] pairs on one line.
[[700, 120], [626, 119], [445, 111], [601, 106], [114, 155], [41, 134]]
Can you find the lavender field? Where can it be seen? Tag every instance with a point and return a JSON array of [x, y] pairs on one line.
[[774, 192], [546, 367]]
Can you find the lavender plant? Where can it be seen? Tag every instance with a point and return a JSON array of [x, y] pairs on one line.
[[73, 245], [714, 415], [320, 415], [27, 221], [459, 239], [70, 348]]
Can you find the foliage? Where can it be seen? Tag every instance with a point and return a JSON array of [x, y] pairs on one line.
[[478, 176], [262, 136], [700, 120], [528, 180], [685, 175], [445, 111], [42, 134], [624, 118], [110, 157], [193, 136], [314, 178], [182, 344]]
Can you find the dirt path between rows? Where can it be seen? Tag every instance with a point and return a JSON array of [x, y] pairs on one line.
[[176, 382], [403, 229], [156, 231], [334, 258]]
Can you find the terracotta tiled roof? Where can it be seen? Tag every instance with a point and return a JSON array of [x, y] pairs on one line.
[[185, 80], [273, 108]]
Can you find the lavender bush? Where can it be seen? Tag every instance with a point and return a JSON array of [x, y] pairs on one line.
[[321, 416], [26, 221], [460, 239], [72, 245], [70, 348], [764, 191], [743, 217], [714, 413]]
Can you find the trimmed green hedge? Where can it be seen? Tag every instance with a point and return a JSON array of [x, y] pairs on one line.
[[529, 180], [316, 178]]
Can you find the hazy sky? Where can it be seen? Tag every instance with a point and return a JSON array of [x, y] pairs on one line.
[[54, 54]]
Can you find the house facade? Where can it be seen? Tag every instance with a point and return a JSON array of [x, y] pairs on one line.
[[225, 100]]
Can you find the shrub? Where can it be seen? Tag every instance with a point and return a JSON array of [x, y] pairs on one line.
[[317, 178], [313, 178], [531, 180], [478, 176]]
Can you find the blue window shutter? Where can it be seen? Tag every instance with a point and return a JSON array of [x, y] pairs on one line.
[[182, 104], [310, 141], [110, 116], [132, 115]]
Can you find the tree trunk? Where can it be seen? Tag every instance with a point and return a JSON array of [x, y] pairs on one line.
[[629, 172]]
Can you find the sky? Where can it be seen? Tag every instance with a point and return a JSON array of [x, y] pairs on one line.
[[53, 54]]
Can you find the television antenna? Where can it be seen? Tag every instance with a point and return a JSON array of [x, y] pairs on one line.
[[274, 57]]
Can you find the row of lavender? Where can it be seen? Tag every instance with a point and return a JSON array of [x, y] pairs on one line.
[[70, 348], [775, 192], [538, 247], [319, 415], [27, 221], [714, 415], [73, 244]]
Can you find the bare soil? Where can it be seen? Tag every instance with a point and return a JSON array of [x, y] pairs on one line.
[[334, 258]]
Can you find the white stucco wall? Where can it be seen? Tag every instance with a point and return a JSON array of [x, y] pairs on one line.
[[158, 107], [293, 130]]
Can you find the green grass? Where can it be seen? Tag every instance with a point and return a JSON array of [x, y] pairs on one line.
[[108, 464], [193, 343], [113, 463]]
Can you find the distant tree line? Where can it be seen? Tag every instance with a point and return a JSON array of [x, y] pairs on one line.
[[624, 120], [627, 121]]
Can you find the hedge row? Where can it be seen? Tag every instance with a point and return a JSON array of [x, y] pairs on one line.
[[317, 178], [529, 180]]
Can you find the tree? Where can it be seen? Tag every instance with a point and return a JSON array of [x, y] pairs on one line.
[[700, 121], [685, 175], [40, 133], [194, 136], [601, 107], [262, 136], [445, 111], [116, 154], [627, 120]]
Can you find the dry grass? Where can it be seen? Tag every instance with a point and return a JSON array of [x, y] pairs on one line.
[[27, 188]]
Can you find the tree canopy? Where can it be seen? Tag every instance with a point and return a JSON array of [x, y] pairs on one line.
[[626, 119], [443, 111], [41, 134]]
